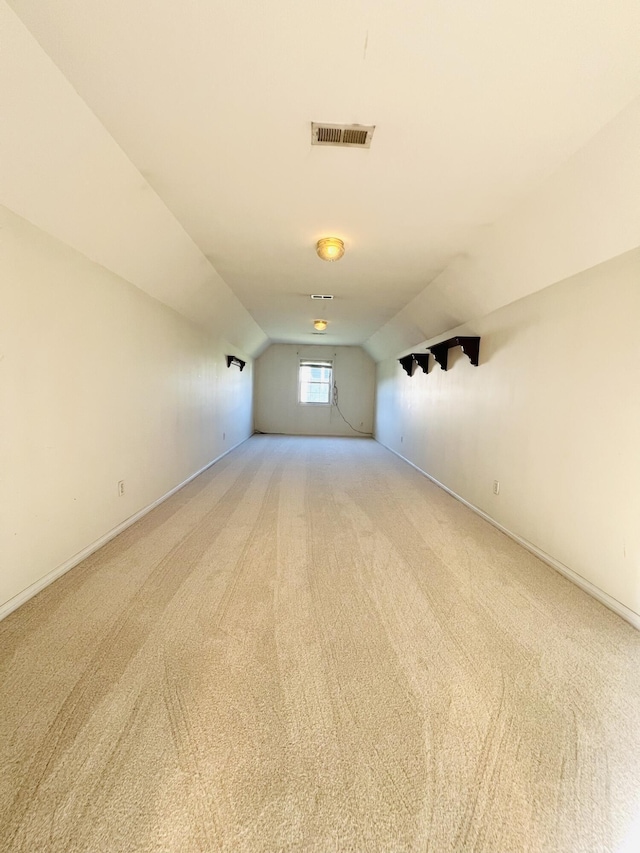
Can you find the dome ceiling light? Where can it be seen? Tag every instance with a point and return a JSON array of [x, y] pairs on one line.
[[330, 248], [320, 325]]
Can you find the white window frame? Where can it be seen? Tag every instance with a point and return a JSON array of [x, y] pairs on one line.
[[319, 362]]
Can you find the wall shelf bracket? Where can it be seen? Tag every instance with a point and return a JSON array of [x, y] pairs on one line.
[[409, 362], [422, 360], [470, 347], [233, 359]]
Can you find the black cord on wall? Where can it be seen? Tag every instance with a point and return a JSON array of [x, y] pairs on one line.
[[334, 401]]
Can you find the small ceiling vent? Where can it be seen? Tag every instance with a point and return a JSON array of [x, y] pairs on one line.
[[321, 296], [342, 135]]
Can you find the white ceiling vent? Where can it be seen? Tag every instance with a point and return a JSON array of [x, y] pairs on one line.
[[342, 135], [321, 296]]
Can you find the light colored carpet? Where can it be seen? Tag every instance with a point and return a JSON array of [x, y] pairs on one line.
[[312, 648]]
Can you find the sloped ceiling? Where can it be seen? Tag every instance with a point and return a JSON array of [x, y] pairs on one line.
[[171, 142]]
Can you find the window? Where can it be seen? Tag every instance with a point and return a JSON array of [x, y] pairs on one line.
[[315, 381]]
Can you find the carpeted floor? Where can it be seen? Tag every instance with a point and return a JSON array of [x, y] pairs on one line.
[[312, 648]]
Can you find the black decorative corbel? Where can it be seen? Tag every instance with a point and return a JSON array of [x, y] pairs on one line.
[[422, 360], [233, 359], [410, 361], [408, 364], [441, 353], [470, 347]]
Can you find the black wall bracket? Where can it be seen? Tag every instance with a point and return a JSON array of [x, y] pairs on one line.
[[409, 362], [470, 347], [233, 359]]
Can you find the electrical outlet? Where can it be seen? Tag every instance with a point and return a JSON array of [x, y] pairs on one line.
[[120, 488], [496, 487]]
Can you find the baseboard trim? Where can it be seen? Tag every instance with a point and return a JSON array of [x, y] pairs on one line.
[[24, 596], [603, 597]]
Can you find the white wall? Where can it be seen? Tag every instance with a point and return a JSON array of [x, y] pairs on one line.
[[582, 215], [552, 412], [276, 392], [62, 171], [99, 382]]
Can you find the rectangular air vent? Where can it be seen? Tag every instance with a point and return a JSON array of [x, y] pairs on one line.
[[350, 136], [329, 135], [321, 296], [342, 135]]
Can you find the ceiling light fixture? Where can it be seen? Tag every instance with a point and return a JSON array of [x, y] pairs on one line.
[[330, 248], [320, 325]]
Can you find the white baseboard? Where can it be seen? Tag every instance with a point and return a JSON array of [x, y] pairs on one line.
[[19, 599], [603, 597]]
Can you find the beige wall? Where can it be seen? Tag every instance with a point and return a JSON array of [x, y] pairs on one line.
[[99, 382], [552, 412], [584, 214], [276, 400]]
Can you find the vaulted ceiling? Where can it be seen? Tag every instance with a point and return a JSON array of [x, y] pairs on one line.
[[199, 178]]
